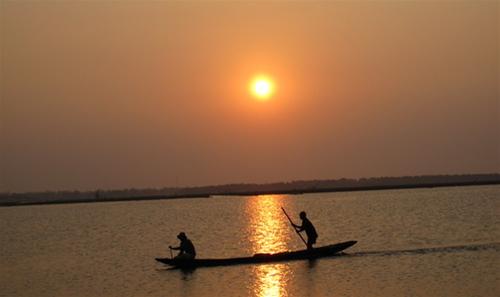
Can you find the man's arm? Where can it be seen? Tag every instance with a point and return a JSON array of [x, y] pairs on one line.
[[174, 248], [298, 228]]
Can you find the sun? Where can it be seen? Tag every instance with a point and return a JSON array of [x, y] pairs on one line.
[[262, 87]]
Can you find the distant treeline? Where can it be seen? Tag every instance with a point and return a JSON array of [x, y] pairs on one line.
[[293, 187]]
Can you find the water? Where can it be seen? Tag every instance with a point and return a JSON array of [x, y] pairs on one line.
[[422, 242]]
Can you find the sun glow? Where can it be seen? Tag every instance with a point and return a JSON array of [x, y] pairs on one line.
[[262, 87]]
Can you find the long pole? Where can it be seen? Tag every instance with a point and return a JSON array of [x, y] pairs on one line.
[[294, 226]]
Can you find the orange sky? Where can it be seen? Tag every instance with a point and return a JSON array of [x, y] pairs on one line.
[[111, 94]]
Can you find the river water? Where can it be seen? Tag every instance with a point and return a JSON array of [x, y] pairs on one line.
[[417, 242]]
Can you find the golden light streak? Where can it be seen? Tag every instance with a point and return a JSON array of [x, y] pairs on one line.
[[268, 235]]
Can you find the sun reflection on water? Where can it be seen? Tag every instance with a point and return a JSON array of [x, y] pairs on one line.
[[268, 231], [271, 280]]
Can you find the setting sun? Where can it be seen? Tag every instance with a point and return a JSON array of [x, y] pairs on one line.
[[262, 87]]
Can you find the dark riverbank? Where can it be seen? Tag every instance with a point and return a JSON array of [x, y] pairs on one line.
[[292, 188], [93, 200], [367, 188]]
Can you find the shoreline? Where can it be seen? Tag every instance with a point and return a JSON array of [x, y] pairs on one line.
[[254, 193]]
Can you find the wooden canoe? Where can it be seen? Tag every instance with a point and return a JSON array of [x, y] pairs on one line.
[[314, 253]]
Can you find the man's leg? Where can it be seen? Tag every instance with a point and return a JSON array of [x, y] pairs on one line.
[[310, 243]]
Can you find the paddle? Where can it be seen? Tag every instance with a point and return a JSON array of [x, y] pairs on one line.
[[293, 225]]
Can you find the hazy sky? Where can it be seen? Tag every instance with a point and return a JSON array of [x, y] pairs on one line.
[[121, 94]]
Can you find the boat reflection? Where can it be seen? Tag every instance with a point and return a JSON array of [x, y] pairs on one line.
[[268, 233]]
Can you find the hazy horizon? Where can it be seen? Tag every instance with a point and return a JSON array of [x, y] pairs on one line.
[[111, 95]]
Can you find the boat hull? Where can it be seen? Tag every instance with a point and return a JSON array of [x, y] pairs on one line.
[[315, 253]]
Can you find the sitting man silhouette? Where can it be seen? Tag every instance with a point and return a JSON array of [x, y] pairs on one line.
[[186, 248]]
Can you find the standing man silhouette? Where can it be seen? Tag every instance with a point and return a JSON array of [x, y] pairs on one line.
[[309, 228]]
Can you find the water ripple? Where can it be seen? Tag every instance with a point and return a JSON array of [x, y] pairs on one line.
[[495, 246]]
